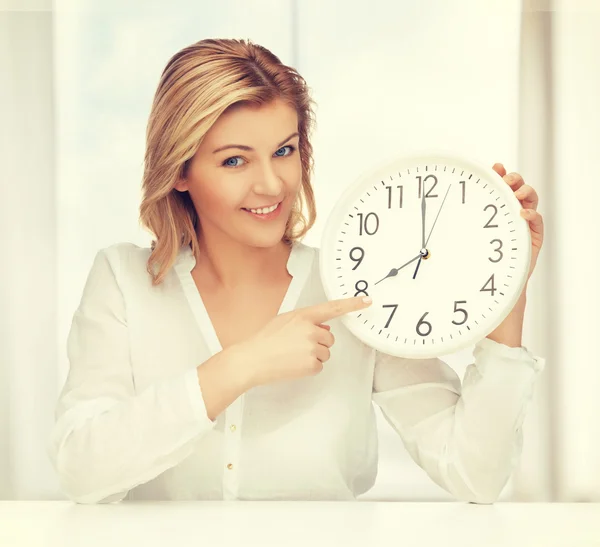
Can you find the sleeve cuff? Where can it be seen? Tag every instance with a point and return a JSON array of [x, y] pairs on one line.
[[507, 354]]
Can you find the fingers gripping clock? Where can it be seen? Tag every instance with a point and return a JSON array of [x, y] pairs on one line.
[[438, 242]]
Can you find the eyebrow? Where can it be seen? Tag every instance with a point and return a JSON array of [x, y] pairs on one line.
[[249, 148]]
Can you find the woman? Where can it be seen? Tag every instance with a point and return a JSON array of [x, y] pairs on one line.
[[196, 366]]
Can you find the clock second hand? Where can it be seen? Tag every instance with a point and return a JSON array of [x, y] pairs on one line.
[[438, 214], [394, 271]]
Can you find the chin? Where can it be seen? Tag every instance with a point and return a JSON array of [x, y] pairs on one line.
[[265, 235], [269, 238]]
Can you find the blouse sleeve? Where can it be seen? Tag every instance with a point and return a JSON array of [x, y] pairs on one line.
[[467, 437], [107, 438]]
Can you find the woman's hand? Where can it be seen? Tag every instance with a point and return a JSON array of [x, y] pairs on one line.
[[294, 344], [510, 331], [529, 200]]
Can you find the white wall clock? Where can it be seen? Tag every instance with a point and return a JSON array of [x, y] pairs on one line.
[[438, 241]]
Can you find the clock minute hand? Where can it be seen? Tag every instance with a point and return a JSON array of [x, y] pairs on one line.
[[424, 248], [394, 271], [423, 206]]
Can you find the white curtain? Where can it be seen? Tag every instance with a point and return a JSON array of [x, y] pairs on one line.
[[559, 139], [28, 249], [504, 82], [535, 479], [575, 258]]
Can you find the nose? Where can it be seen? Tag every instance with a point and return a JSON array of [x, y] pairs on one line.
[[268, 182]]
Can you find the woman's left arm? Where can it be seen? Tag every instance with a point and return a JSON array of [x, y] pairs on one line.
[[509, 332], [467, 437]]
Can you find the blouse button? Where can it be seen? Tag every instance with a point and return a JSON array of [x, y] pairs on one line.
[[229, 466], [232, 427]]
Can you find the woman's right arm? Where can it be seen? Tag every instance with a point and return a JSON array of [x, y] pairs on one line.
[[107, 438]]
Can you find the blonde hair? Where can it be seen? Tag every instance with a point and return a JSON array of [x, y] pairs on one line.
[[197, 85]]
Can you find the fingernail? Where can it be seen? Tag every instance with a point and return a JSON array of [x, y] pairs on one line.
[[367, 300]]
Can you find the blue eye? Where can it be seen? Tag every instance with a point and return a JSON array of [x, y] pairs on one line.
[[292, 148], [227, 163]]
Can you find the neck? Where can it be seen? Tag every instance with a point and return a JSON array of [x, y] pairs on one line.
[[227, 263]]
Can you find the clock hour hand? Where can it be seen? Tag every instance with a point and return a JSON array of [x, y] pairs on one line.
[[417, 268], [394, 271]]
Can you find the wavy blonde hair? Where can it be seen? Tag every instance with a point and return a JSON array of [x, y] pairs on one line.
[[197, 85]]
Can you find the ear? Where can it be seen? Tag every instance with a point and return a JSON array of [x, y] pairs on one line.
[[181, 185]]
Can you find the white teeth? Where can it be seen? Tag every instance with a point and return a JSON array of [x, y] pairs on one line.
[[264, 210]]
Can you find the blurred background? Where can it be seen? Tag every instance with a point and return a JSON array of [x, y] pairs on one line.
[[509, 81]]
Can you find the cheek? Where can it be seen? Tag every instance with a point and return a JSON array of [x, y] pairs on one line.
[[229, 201], [217, 198], [293, 174]]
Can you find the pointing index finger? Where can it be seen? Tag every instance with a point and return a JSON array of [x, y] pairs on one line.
[[325, 311]]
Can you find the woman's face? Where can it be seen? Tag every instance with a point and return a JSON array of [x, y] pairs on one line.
[[248, 160]]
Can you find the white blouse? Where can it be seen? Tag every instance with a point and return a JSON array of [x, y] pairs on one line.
[[131, 421]]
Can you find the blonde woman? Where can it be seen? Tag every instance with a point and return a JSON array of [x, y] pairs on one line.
[[204, 367]]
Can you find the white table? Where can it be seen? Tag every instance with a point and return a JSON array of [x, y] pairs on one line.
[[297, 524]]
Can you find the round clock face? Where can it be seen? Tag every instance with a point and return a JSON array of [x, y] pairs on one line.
[[438, 242]]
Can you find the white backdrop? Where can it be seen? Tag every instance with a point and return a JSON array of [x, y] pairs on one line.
[[387, 76]]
